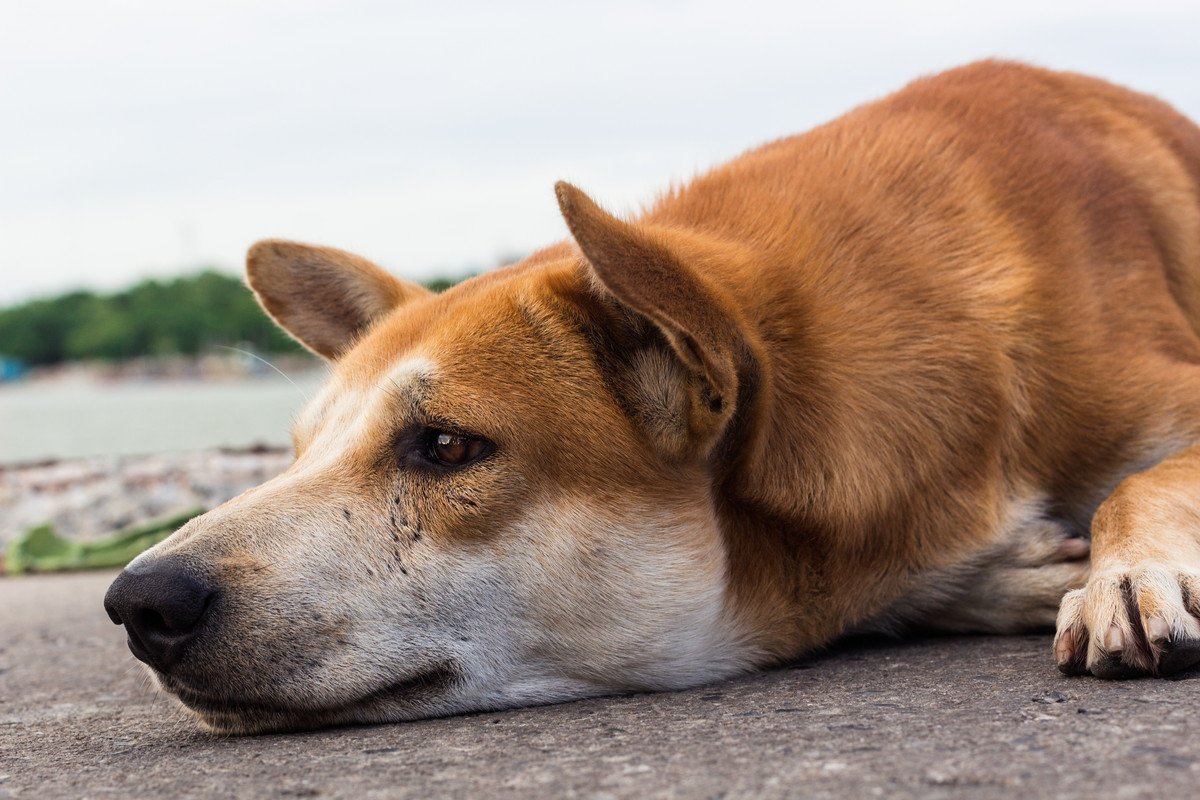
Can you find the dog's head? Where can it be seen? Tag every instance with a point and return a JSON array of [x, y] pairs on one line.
[[503, 495]]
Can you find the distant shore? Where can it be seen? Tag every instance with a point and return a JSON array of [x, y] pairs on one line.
[[220, 365]]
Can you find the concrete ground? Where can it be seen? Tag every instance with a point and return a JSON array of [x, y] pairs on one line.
[[961, 717]]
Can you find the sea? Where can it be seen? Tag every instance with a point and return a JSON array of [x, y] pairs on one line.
[[83, 417]]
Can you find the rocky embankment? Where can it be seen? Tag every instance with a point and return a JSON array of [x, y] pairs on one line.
[[88, 498]]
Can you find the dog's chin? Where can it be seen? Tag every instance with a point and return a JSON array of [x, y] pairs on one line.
[[422, 695]]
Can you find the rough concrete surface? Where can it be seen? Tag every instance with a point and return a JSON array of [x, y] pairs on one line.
[[956, 717]]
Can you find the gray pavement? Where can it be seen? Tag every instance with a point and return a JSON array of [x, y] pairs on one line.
[[956, 717]]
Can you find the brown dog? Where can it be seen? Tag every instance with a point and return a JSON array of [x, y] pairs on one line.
[[880, 375]]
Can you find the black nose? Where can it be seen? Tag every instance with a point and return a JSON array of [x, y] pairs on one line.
[[163, 605]]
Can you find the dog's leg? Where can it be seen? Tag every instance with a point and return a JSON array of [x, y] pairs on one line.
[[1140, 610], [1012, 586], [1017, 585]]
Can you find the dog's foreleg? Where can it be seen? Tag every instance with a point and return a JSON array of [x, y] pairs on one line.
[[1139, 613]]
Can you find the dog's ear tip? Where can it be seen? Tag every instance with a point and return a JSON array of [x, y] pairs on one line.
[[568, 195], [266, 250], [257, 255], [586, 219], [256, 251]]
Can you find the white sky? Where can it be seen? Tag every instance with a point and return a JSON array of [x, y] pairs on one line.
[[142, 138]]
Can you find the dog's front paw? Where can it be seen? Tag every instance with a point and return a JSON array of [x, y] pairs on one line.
[[1131, 621]]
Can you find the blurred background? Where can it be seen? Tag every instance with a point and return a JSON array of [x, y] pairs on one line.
[[146, 145]]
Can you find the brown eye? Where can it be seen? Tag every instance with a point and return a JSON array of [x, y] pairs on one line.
[[456, 450]]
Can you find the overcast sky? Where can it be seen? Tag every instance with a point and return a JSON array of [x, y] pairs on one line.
[[145, 138]]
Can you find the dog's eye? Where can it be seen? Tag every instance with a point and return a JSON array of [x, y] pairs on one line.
[[456, 449]]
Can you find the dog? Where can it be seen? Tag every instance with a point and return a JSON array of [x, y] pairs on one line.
[[933, 365]]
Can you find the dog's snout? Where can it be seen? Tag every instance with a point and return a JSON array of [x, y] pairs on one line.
[[163, 606]]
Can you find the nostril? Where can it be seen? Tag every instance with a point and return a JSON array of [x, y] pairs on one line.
[[151, 622], [176, 617]]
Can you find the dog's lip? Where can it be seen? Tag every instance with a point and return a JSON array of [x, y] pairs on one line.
[[417, 686]]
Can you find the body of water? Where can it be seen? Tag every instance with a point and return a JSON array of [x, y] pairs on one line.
[[78, 418]]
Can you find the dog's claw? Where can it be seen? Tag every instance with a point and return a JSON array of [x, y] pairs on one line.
[[1139, 622]]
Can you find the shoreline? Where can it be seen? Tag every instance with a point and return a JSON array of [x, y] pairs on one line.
[[88, 498]]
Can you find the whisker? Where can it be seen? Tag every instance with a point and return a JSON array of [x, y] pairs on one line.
[[269, 364], [398, 394]]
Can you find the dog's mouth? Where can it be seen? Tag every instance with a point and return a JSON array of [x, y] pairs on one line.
[[229, 712]]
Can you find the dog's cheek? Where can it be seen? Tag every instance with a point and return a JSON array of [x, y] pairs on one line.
[[622, 600]]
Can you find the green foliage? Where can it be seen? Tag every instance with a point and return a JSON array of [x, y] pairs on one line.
[[41, 549], [440, 284], [184, 316]]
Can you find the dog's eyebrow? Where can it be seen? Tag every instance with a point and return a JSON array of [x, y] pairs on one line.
[[411, 370], [408, 380]]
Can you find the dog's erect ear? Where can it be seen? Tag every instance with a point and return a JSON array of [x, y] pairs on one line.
[[686, 393], [324, 298]]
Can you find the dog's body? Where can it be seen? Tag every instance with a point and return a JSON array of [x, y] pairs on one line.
[[876, 376]]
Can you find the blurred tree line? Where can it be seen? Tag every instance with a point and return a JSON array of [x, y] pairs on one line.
[[184, 316]]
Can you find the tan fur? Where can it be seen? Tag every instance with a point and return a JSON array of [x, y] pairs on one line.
[[875, 376]]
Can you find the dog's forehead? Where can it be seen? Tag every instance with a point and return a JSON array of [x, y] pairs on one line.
[[350, 399], [474, 335], [401, 363], [470, 358]]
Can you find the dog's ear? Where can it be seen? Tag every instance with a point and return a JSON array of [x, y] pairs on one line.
[[685, 353], [324, 298]]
